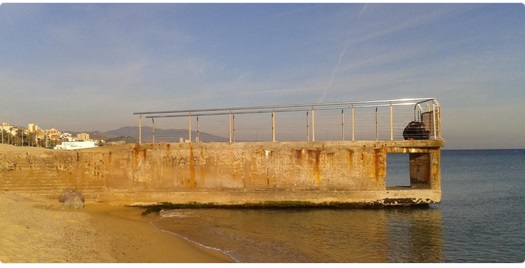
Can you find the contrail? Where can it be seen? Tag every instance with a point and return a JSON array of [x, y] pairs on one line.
[[334, 71], [341, 56], [362, 11]]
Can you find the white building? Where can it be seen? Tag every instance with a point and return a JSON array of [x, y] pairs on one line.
[[9, 129], [75, 145], [67, 137]]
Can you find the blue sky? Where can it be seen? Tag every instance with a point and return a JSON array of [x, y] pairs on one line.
[[90, 66]]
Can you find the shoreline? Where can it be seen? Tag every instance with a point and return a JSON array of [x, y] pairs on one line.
[[42, 231], [214, 251], [150, 244]]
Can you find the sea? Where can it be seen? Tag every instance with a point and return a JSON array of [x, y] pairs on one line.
[[480, 219]]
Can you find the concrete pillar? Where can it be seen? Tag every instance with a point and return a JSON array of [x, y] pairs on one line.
[[420, 170]]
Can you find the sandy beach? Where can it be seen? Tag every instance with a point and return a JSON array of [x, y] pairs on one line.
[[42, 231]]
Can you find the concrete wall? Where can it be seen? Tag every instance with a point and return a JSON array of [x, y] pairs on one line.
[[229, 173]]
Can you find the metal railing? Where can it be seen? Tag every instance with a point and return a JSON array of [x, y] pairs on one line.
[[389, 116]]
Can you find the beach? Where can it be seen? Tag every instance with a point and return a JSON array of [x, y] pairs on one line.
[[42, 231]]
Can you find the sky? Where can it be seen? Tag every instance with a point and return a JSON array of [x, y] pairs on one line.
[[84, 67]]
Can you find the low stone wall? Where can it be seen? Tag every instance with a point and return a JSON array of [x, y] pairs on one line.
[[228, 173]]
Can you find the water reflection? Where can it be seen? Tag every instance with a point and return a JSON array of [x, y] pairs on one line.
[[314, 235], [415, 235]]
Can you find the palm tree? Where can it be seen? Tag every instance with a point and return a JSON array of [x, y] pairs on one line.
[[5, 136]]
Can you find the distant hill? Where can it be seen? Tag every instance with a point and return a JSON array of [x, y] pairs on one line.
[[131, 134]]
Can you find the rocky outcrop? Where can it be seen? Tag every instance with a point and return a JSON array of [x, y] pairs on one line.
[[72, 199]]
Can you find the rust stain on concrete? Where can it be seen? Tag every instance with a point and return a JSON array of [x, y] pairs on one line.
[[192, 183], [314, 156]]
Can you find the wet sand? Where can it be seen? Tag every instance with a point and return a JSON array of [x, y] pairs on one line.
[[42, 231]]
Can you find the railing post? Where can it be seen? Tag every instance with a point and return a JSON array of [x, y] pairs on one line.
[[353, 123], [391, 122], [273, 125], [230, 128], [198, 133], [140, 129], [189, 126], [342, 124], [434, 120], [153, 131], [376, 124], [313, 124], [233, 127], [307, 129]]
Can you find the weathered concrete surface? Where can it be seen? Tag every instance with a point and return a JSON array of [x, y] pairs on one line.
[[318, 173]]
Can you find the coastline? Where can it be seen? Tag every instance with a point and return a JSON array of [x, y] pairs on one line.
[[134, 239], [42, 231]]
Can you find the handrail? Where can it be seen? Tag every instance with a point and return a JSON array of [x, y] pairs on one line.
[[431, 103], [338, 105]]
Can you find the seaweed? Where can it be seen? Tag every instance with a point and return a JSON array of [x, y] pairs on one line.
[[269, 205]]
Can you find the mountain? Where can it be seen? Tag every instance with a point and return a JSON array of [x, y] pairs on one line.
[[161, 135]]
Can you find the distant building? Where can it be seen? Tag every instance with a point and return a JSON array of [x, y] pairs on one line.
[[40, 134], [53, 134], [76, 145], [83, 136], [33, 128], [67, 137], [9, 129]]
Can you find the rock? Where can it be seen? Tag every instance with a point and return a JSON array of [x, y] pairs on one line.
[[72, 199], [74, 202], [68, 193]]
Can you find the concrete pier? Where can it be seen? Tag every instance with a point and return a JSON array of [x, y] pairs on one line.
[[250, 174]]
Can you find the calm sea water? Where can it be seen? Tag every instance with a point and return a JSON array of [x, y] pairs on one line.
[[481, 219]]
